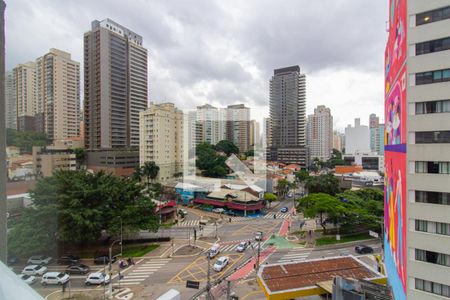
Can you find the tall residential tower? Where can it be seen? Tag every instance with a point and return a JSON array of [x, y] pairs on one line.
[[287, 114], [115, 86], [320, 133]]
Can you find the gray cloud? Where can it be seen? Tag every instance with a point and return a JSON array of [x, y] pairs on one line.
[[219, 51]]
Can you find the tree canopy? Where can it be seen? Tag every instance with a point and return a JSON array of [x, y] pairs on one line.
[[226, 147], [76, 207], [209, 162], [25, 140], [302, 176], [324, 183]]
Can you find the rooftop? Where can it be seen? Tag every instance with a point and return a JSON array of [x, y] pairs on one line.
[[307, 277], [236, 195]]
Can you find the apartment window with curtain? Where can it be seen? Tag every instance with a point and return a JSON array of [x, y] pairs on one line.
[[432, 137], [432, 107], [431, 167], [432, 287], [432, 227], [433, 16], [433, 257], [432, 197]]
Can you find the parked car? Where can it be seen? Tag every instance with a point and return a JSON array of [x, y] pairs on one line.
[[284, 209], [77, 269], [242, 246], [258, 236], [97, 278], [221, 263], [213, 251], [103, 259], [39, 260], [68, 260], [28, 279], [363, 249], [55, 278], [183, 211], [34, 270], [218, 210]]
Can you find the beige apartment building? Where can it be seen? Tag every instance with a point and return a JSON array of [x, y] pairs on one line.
[[320, 133], [161, 139], [58, 94], [24, 76], [238, 126]]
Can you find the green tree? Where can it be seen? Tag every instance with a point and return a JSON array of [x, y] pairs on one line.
[[270, 197], [82, 205], [321, 204], [302, 176], [325, 183], [209, 162], [150, 171], [25, 140], [227, 147], [80, 156], [283, 187], [250, 153]]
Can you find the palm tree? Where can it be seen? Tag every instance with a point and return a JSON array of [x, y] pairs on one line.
[[150, 170]]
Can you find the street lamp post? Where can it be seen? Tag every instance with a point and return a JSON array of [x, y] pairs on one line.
[[109, 267]]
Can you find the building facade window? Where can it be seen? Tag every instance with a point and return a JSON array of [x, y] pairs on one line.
[[433, 46], [432, 287], [432, 227], [433, 16], [431, 167], [433, 76], [432, 107], [433, 197], [433, 137], [433, 257]]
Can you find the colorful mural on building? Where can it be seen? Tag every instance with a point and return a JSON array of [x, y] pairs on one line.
[[395, 221], [395, 114], [395, 258]]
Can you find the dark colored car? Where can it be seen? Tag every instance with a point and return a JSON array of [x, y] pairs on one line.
[[103, 260], [68, 260], [284, 209], [12, 260], [78, 269], [363, 249]]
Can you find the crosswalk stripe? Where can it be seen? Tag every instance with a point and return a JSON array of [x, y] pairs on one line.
[[132, 280], [296, 255], [129, 283], [135, 276]]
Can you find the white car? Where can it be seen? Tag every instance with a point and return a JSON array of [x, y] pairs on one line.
[[242, 246], [218, 210], [34, 270], [55, 278], [39, 260], [97, 278], [221, 263], [258, 236], [29, 279]]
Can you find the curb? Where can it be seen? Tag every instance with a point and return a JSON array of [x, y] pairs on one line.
[[340, 245]]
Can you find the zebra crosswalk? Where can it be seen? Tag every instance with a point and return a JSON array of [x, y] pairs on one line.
[[188, 223], [295, 255], [232, 247], [277, 215], [142, 271]]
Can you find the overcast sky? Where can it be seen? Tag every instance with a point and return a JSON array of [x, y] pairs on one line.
[[224, 52]]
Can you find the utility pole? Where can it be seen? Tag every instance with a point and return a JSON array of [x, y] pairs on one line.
[[109, 268], [228, 290], [208, 280], [259, 252]]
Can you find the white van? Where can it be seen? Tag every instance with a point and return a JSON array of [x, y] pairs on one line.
[[214, 250], [54, 278]]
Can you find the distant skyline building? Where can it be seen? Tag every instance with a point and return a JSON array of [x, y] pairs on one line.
[[288, 116], [267, 132], [10, 101], [320, 133], [376, 134], [115, 86], [238, 126], [161, 139], [211, 122], [338, 140], [357, 138], [255, 135]]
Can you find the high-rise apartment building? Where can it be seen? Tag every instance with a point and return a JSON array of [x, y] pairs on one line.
[[357, 138], [161, 139], [417, 150], [58, 95], [320, 133], [287, 114], [115, 86], [238, 126], [24, 76], [376, 134], [255, 136], [211, 123], [267, 135], [10, 101]]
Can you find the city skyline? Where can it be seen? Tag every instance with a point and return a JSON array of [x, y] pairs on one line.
[[185, 69]]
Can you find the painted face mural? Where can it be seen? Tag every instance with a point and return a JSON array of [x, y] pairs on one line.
[[395, 112]]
